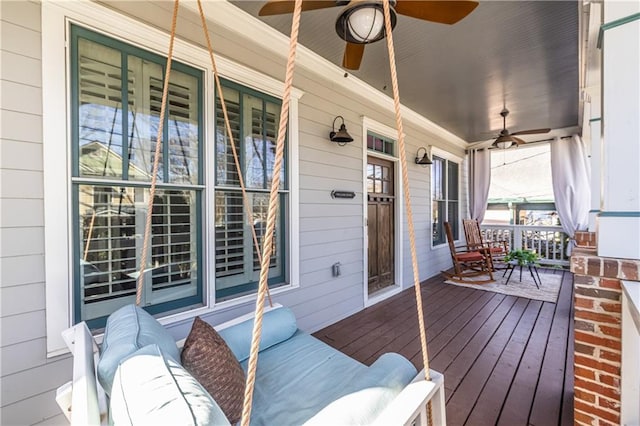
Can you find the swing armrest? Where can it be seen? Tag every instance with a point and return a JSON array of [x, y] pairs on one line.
[[410, 406], [82, 400]]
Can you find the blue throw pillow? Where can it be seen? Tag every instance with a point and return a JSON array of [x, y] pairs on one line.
[[128, 329], [152, 389], [278, 325]]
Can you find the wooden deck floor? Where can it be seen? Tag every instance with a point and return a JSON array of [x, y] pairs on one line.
[[506, 360]]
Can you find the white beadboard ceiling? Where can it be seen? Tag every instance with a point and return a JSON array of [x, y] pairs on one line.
[[518, 54]]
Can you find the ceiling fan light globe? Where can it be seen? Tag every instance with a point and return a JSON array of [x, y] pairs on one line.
[[504, 144], [366, 24], [363, 23]]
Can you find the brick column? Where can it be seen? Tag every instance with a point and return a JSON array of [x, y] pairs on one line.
[[598, 332]]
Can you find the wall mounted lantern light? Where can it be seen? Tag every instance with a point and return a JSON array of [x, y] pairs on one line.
[[425, 159], [341, 137]]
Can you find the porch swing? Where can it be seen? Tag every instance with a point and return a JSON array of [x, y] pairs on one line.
[[328, 386]]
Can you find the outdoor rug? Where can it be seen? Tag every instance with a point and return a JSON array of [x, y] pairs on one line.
[[548, 291]]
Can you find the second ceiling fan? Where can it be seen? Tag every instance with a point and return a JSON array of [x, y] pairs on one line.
[[506, 140], [362, 21]]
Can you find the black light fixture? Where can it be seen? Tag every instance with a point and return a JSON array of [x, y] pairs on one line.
[[425, 160], [341, 137], [363, 22]]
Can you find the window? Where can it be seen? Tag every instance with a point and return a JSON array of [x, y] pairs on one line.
[[446, 195], [116, 93], [380, 143], [254, 119], [97, 157]]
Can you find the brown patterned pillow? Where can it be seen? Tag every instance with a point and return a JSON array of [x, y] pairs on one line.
[[208, 358]]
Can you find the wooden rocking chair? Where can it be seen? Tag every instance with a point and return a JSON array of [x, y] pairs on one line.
[[498, 249], [468, 264]]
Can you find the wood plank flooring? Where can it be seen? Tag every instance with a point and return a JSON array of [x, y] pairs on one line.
[[506, 360]]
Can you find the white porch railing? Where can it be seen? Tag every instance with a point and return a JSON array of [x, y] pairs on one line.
[[550, 242]]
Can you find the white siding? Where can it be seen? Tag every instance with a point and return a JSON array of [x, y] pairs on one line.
[[18, 270], [331, 230], [28, 378], [20, 155]]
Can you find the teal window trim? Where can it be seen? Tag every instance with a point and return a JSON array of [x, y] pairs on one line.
[[274, 282], [284, 185], [281, 279], [613, 24], [77, 291], [619, 214], [595, 119], [126, 50], [454, 226], [159, 308], [124, 93], [386, 142], [77, 33]]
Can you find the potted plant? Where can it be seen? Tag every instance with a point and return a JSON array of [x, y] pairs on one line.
[[522, 257]]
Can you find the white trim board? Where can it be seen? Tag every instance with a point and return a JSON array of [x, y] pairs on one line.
[[371, 125]]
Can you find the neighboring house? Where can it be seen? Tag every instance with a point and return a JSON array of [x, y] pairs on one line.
[[77, 136]]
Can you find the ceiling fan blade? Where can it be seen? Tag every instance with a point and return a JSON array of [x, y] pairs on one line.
[[352, 56], [531, 132], [444, 12], [278, 7], [518, 141]]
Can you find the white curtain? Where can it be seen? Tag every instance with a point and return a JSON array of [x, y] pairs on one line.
[[479, 181], [570, 173]]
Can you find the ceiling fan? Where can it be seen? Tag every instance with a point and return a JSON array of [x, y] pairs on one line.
[[506, 140], [362, 21]]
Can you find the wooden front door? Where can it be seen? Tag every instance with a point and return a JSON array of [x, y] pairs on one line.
[[380, 220]]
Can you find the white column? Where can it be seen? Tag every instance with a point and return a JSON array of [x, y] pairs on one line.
[[619, 218], [591, 95], [596, 171]]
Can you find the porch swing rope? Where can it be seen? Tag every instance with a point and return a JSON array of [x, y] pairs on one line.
[[271, 218], [145, 246], [227, 124], [407, 196], [156, 160]]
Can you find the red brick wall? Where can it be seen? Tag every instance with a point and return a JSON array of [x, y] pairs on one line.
[[598, 330]]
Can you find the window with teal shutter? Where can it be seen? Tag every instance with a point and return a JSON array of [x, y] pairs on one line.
[[445, 195], [254, 119], [116, 93]]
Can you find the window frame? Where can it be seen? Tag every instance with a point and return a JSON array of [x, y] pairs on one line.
[[448, 157], [56, 124], [378, 129], [386, 141], [230, 293], [77, 180]]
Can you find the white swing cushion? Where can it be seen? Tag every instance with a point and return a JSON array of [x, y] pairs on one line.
[[128, 329], [150, 388]]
